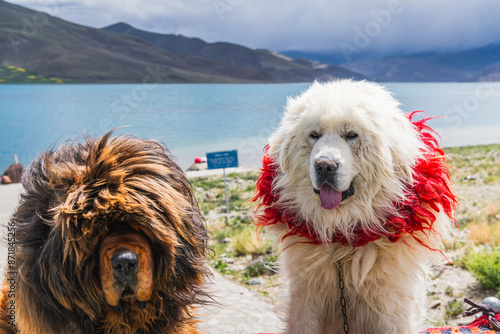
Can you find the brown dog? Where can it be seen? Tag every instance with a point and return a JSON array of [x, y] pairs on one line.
[[109, 239]]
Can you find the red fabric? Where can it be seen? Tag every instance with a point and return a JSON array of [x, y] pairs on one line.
[[430, 192], [483, 321]]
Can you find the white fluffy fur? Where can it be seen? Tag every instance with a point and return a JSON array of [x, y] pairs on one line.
[[385, 282]]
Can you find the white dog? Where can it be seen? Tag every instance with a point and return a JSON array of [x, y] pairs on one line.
[[359, 196]]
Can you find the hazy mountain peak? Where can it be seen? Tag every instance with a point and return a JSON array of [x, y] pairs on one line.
[[122, 53]]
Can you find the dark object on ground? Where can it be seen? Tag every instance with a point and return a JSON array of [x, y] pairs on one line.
[[14, 172], [198, 166], [5, 179], [488, 323]]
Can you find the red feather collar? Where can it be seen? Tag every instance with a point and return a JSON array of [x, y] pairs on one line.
[[430, 193]]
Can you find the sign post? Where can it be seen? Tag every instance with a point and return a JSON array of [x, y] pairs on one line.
[[224, 159], [227, 198]]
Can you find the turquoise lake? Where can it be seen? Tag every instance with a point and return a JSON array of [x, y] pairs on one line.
[[192, 119]]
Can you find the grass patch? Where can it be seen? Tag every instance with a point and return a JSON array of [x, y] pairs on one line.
[[485, 266], [246, 242], [222, 267], [454, 308], [207, 183], [222, 233], [258, 268], [474, 165], [483, 233], [238, 238], [245, 176], [210, 191], [19, 75]]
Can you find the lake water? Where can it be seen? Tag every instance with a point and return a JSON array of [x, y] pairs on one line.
[[193, 119]]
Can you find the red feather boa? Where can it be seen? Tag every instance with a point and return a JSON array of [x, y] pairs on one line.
[[429, 194]]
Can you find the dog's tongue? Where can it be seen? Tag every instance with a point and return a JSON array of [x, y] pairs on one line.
[[330, 198]]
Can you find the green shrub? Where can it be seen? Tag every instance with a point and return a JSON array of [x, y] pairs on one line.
[[267, 265], [207, 183], [246, 241], [222, 267], [250, 188], [256, 269], [222, 234], [485, 266], [250, 176], [453, 309]]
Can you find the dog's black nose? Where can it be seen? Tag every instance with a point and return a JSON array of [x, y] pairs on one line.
[[125, 263], [325, 166]]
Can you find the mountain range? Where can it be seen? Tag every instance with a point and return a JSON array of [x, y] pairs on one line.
[[278, 66], [56, 48], [476, 64], [49, 47]]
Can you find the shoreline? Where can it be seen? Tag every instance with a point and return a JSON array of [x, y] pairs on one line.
[[252, 168], [216, 172]]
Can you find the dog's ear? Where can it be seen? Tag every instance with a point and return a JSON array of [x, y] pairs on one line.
[[284, 147], [404, 148]]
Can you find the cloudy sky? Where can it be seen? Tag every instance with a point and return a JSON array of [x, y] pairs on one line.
[[377, 26]]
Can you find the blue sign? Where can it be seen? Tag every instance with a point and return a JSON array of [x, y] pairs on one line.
[[225, 159]]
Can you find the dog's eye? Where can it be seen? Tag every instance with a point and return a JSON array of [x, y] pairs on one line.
[[314, 135], [351, 135]]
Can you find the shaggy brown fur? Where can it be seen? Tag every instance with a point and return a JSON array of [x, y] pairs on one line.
[[82, 204]]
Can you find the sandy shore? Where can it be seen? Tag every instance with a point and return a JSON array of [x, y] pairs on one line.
[[211, 172]]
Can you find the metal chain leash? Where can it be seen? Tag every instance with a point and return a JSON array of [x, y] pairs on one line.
[[342, 299]]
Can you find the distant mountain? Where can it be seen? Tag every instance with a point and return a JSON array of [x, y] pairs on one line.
[[55, 48], [481, 63], [332, 57], [47, 47], [410, 69], [490, 73], [325, 58], [280, 67], [221, 52]]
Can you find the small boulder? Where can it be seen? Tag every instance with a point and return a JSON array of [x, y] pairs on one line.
[[198, 166], [5, 179], [256, 281], [14, 172]]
